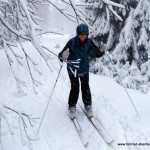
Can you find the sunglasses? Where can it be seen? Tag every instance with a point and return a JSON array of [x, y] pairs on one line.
[[83, 34]]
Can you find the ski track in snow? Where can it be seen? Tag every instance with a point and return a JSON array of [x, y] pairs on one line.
[[110, 103]]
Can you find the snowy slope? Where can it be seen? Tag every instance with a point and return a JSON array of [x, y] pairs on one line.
[[110, 103]]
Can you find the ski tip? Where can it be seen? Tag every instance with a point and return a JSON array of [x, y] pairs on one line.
[[110, 141], [86, 144]]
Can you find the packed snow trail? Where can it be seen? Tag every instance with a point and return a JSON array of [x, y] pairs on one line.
[[110, 105], [99, 128]]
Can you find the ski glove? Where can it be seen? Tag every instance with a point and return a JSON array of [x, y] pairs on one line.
[[102, 47], [65, 54]]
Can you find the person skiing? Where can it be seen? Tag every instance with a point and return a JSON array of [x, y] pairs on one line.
[[78, 52]]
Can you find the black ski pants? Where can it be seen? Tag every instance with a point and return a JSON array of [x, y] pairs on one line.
[[75, 86]]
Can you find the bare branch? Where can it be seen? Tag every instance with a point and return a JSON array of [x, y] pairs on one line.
[[6, 120], [60, 11], [18, 57], [77, 16], [80, 11], [21, 114], [66, 2]]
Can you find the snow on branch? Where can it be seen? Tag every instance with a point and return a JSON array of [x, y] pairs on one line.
[[33, 36], [26, 124], [114, 12], [11, 61], [86, 4], [108, 2], [13, 30], [19, 23], [35, 83], [82, 16]]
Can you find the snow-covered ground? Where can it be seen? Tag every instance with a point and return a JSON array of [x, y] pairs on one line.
[[110, 103]]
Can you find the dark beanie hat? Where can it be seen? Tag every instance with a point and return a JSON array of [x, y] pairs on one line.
[[82, 28]]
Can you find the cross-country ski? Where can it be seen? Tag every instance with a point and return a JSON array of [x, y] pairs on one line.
[[99, 128], [80, 131]]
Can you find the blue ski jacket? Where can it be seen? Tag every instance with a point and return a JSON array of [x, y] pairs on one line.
[[80, 55]]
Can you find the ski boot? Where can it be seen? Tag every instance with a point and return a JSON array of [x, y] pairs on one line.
[[89, 111], [72, 112]]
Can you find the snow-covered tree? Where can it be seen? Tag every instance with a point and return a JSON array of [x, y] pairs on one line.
[[23, 121], [79, 14], [19, 23], [127, 40], [133, 43]]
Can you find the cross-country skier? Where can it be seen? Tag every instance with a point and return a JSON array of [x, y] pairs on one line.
[[78, 52]]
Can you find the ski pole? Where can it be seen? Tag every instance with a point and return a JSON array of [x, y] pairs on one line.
[[137, 114], [49, 98]]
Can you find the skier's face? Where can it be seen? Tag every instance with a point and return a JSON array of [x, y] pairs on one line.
[[82, 36]]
